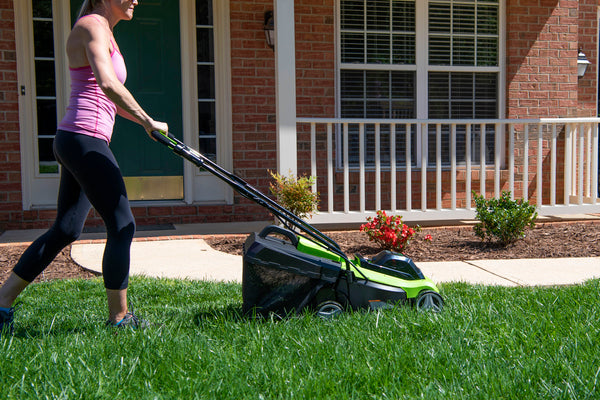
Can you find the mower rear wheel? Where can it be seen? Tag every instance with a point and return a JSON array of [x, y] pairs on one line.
[[329, 309], [429, 300]]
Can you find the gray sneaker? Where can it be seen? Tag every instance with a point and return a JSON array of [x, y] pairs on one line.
[[129, 321], [7, 319]]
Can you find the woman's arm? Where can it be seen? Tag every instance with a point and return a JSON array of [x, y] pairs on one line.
[[95, 39], [125, 114]]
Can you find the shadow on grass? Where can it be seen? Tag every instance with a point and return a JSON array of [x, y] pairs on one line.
[[230, 313], [53, 331], [234, 313]]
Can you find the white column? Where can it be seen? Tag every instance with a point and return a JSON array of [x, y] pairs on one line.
[[285, 83]]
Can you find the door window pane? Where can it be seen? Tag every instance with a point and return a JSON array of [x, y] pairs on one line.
[[45, 84], [205, 64]]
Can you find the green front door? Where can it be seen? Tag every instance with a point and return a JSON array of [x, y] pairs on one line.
[[151, 47]]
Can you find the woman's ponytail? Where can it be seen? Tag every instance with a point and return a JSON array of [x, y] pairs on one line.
[[87, 7]]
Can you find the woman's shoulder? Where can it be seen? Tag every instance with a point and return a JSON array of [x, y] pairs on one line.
[[91, 28], [92, 23]]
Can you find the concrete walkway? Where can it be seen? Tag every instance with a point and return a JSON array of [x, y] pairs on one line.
[[194, 259]]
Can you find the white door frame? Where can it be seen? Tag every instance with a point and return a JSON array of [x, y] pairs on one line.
[[201, 187], [40, 191]]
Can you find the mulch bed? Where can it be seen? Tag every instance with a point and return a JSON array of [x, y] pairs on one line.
[[548, 240]]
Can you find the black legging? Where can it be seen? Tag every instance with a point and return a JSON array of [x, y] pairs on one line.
[[90, 176]]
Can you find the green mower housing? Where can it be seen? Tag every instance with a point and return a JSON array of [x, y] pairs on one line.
[[284, 273]]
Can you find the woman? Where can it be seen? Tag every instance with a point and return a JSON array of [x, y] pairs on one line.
[[90, 175]]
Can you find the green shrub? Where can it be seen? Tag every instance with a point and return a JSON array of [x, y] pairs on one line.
[[503, 219], [295, 194]]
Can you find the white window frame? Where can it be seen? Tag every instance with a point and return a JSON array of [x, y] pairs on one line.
[[423, 68], [38, 190], [201, 187]]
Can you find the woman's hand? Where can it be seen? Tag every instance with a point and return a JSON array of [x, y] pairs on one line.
[[156, 126]]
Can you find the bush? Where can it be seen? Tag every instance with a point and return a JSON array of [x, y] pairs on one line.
[[389, 232], [503, 219], [295, 194]]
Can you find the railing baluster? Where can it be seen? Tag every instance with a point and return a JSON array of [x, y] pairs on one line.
[[594, 164], [580, 162], [497, 159], [482, 177], [408, 156], [313, 154], [393, 205], [568, 174], [588, 164], [361, 160], [346, 172], [553, 168], [329, 168], [377, 168], [511, 161], [453, 167], [438, 167], [526, 163], [540, 160], [424, 162], [468, 171]]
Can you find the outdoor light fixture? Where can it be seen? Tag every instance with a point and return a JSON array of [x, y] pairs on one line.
[[269, 28], [582, 63]]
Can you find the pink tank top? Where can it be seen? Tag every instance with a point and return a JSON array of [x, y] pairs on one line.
[[89, 111]]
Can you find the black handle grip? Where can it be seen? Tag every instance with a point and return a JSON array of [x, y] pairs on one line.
[[282, 231], [165, 138]]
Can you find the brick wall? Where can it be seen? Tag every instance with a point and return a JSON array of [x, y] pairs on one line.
[[542, 41], [10, 156], [253, 83], [541, 58], [253, 92], [543, 38]]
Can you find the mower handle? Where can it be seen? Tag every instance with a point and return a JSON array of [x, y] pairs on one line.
[[282, 231], [165, 138], [248, 191]]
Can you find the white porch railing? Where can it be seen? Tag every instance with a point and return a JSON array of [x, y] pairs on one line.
[[552, 162]]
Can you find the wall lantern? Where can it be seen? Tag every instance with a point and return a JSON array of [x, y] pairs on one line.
[[269, 28], [582, 63]]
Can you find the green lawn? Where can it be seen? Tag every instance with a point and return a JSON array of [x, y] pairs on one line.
[[489, 343]]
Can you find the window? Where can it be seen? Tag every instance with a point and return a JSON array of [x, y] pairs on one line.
[[381, 52], [377, 77], [45, 84], [207, 137], [463, 34]]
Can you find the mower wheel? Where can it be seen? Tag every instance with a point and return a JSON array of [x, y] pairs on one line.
[[329, 309], [428, 300]]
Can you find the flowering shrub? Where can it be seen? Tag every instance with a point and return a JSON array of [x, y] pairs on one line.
[[295, 194], [389, 231]]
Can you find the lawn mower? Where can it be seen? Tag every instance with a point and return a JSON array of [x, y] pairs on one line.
[[292, 267]]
